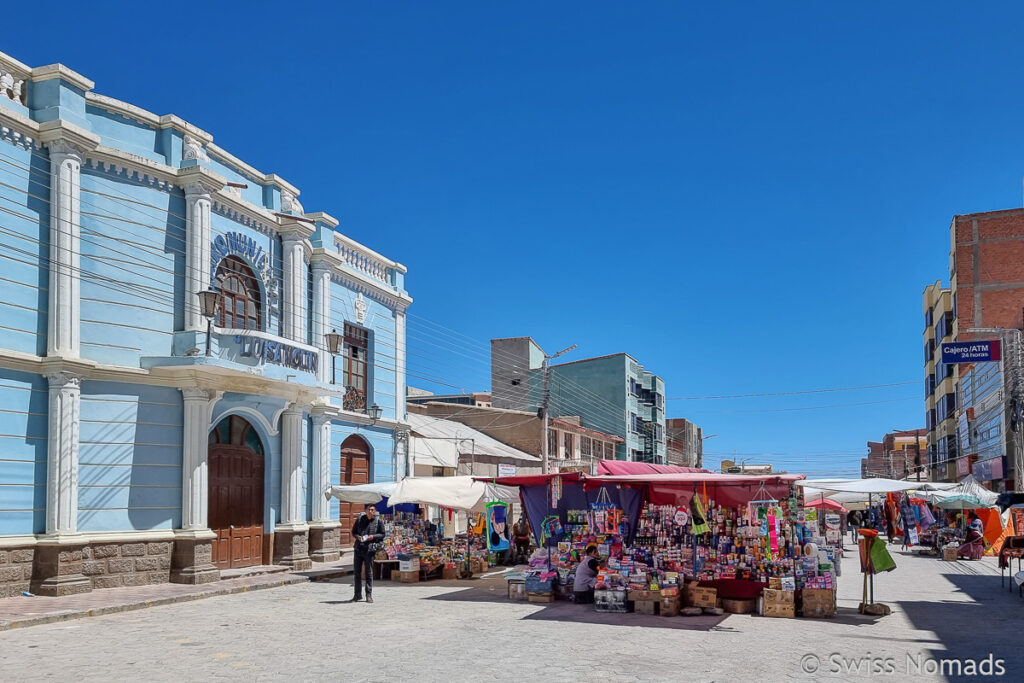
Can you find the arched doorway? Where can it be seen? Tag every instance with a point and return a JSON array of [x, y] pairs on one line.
[[235, 463], [355, 469]]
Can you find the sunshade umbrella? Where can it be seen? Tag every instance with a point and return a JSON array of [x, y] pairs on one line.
[[826, 504]]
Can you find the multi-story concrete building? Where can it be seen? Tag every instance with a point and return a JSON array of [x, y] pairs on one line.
[[479, 399], [571, 446], [939, 384], [684, 443], [899, 455], [967, 408], [611, 394], [168, 402]]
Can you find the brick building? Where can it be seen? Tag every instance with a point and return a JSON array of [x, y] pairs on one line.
[[899, 455], [684, 442], [966, 407]]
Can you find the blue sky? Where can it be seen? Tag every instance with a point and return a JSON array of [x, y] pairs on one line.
[[747, 198]]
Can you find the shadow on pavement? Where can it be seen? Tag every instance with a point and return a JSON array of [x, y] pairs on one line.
[[988, 623], [563, 610]]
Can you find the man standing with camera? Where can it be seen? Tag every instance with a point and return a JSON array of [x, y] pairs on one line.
[[368, 532]]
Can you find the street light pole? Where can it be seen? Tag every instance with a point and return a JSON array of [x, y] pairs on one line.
[[544, 400]]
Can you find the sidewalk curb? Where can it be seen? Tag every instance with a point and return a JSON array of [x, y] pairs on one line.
[[6, 625]]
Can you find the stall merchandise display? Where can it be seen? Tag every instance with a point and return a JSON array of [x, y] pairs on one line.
[[699, 554]]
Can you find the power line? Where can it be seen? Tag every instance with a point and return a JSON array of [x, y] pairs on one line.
[[792, 393]]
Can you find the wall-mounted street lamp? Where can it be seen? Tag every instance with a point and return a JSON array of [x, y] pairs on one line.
[[208, 309], [334, 347], [374, 412]]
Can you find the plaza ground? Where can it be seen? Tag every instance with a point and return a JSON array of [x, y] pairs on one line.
[[469, 631]]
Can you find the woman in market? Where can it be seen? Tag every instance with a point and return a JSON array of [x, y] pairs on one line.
[[586, 576]]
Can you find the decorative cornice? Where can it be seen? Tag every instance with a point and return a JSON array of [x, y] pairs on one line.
[[323, 217], [148, 118], [19, 139], [51, 71], [199, 180], [241, 212], [62, 132], [156, 178]]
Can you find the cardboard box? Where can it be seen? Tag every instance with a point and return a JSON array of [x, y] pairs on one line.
[[818, 603], [701, 597], [670, 606], [644, 595], [949, 554], [408, 577], [646, 606], [779, 596], [396, 575], [412, 565], [738, 606], [786, 610], [450, 573], [541, 598]]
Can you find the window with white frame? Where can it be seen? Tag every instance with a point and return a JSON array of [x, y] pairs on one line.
[[567, 442], [585, 446], [552, 443]]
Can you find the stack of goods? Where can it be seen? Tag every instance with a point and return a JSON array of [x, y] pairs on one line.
[[779, 599]]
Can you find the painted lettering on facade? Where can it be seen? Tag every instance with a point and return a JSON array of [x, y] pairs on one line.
[[278, 353]]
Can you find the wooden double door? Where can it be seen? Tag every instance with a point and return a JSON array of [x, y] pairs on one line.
[[355, 469], [235, 513]]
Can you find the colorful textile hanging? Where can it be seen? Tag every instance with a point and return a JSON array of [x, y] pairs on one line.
[[497, 526], [773, 534], [909, 522], [698, 520]]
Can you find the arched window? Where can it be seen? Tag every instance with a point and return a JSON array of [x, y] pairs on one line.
[[239, 295]]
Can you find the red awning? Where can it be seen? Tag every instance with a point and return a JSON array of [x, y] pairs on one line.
[[621, 467], [690, 478], [532, 479]]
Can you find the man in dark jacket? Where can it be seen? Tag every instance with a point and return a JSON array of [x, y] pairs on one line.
[[367, 530]]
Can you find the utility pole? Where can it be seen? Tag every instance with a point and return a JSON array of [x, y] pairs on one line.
[[545, 397]]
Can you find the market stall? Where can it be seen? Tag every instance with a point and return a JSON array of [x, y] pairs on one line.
[[413, 543], [693, 539]]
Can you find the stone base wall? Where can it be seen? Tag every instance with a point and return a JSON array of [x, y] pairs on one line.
[[291, 548], [15, 571], [325, 544], [111, 565], [78, 568]]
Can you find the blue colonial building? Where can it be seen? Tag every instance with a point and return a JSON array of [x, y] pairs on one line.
[[187, 357]]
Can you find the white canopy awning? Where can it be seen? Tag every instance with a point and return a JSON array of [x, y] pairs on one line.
[[439, 442], [459, 493], [970, 487], [875, 485], [433, 452], [361, 493]]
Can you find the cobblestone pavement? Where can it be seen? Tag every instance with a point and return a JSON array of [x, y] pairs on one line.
[[444, 631]]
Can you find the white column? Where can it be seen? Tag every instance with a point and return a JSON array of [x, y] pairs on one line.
[[291, 467], [62, 454], [322, 315], [195, 487], [321, 475], [400, 364], [197, 252], [65, 229], [294, 258]]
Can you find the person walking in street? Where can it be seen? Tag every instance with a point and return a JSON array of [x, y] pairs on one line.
[[368, 533], [854, 520]]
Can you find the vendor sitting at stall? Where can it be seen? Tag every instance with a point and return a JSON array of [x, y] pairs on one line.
[[521, 538], [586, 576]]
